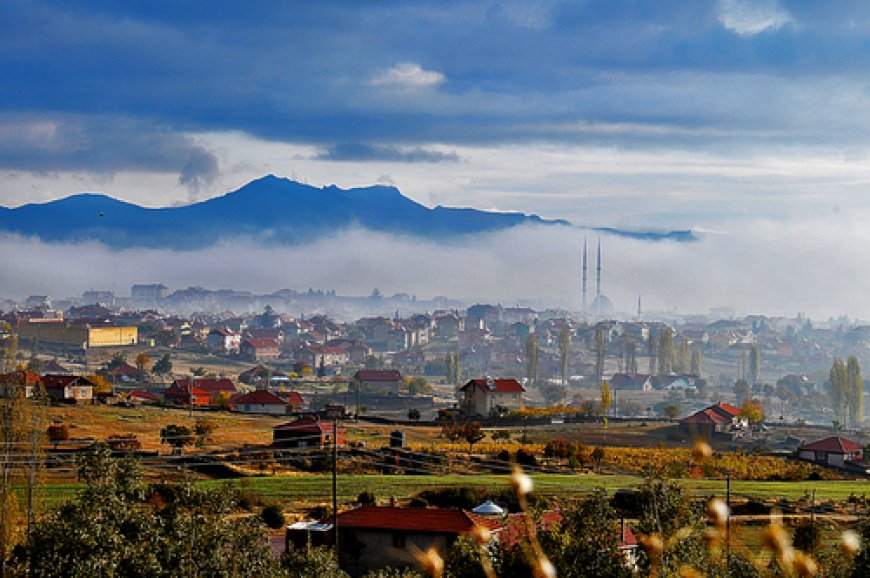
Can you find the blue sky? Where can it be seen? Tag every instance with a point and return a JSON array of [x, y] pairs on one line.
[[604, 112], [723, 116]]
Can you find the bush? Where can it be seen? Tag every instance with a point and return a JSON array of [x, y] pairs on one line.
[[273, 516], [366, 499]]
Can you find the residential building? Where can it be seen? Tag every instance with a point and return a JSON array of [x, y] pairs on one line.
[[486, 396], [833, 451], [68, 388], [307, 432], [387, 381]]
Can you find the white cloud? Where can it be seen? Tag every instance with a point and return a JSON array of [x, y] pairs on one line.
[[409, 75], [751, 17]]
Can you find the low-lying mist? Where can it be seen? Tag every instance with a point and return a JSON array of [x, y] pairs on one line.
[[758, 266]]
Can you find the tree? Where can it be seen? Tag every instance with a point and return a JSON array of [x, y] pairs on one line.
[[176, 436], [553, 393], [753, 411], [472, 433], [671, 411], [598, 456], [311, 561], [532, 359], [629, 349], [414, 414], [742, 390], [754, 363], [142, 361], [419, 386], [855, 391], [666, 351], [839, 384], [119, 358], [564, 352], [119, 526], [682, 362], [163, 365], [652, 353], [600, 351], [606, 397], [57, 432], [203, 428], [697, 362]]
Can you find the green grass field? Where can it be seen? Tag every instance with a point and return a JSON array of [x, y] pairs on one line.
[[314, 489]]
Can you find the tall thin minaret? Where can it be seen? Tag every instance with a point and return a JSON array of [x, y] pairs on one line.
[[639, 310], [584, 274], [598, 272]]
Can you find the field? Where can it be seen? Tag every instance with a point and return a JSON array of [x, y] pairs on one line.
[[297, 492]]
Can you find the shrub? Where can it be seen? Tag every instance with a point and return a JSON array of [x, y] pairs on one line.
[[273, 516]]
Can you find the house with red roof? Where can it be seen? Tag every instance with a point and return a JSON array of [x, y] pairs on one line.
[[834, 451], [263, 401], [184, 394], [68, 388], [223, 340], [388, 381], [719, 419], [382, 535], [215, 387], [18, 382], [307, 432], [140, 396], [260, 349], [487, 396]]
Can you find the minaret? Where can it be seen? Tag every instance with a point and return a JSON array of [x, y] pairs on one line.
[[639, 310], [584, 274], [598, 273]]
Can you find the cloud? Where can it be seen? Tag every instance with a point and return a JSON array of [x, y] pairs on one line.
[[751, 17], [101, 144], [753, 265], [379, 153], [408, 75], [200, 169]]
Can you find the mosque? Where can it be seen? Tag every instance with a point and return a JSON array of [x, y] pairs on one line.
[[601, 306]]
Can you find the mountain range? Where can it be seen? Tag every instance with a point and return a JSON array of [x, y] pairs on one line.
[[269, 209]]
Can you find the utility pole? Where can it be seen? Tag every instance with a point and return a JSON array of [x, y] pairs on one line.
[[190, 397], [728, 524], [335, 484]]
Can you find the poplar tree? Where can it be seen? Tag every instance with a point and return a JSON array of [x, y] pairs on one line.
[[697, 362], [855, 391], [839, 379], [754, 363], [564, 351], [532, 358], [666, 351]]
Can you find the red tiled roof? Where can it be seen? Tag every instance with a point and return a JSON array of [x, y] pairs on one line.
[[261, 396], [306, 425], [706, 417], [727, 407], [833, 444], [499, 385], [408, 519], [20, 377], [378, 375], [140, 394], [325, 350], [177, 390], [208, 384], [58, 381], [291, 397]]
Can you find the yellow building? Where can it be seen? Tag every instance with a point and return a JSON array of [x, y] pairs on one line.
[[79, 335]]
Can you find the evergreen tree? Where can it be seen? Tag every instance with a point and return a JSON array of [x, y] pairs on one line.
[[682, 363], [652, 353]]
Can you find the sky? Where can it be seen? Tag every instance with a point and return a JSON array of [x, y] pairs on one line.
[[746, 121]]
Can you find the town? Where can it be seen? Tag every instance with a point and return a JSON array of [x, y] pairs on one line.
[[451, 397]]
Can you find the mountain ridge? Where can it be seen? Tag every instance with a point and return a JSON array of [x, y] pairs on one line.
[[271, 208]]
